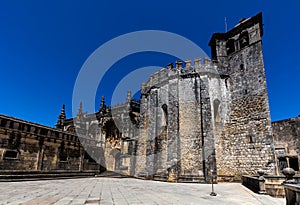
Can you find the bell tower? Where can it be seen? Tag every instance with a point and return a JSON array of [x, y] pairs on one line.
[[246, 35], [247, 136]]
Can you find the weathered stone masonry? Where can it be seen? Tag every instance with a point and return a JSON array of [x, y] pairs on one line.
[[173, 120], [245, 143], [26, 146], [286, 135], [218, 115], [193, 118]]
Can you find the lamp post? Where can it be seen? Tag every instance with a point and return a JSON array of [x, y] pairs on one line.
[[213, 175]]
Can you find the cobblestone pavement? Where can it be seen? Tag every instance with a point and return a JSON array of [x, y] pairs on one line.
[[126, 191]]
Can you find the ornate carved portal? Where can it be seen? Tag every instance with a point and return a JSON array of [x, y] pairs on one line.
[[112, 144]]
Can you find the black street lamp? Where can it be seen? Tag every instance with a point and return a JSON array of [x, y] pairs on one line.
[[213, 176]]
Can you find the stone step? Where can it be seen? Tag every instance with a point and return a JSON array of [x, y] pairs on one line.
[[7, 176], [111, 174]]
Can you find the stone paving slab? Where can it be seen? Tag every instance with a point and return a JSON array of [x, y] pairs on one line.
[[126, 191]]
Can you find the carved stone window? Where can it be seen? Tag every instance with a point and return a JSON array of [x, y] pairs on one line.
[[10, 154], [230, 46], [244, 39]]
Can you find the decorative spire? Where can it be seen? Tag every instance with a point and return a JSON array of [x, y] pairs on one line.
[[128, 98], [61, 118], [62, 112], [102, 106], [80, 112], [102, 101]]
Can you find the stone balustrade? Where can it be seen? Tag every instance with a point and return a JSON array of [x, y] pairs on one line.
[[292, 192], [291, 187], [274, 186], [255, 183]]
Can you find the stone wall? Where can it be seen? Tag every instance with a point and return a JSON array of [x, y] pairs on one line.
[[287, 142], [246, 143], [216, 115], [141, 148], [26, 146], [176, 122], [114, 129], [193, 119]]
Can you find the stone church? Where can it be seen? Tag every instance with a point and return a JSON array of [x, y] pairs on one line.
[[193, 119]]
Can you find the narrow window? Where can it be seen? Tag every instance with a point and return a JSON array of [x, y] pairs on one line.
[[282, 163], [230, 46], [242, 68], [217, 110], [165, 110], [226, 82], [244, 39], [250, 139], [294, 163]]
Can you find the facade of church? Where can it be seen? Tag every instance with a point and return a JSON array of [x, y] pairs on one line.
[[193, 119], [197, 117]]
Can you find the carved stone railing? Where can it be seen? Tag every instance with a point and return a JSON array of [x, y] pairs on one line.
[[268, 184], [255, 183], [273, 185], [292, 192], [291, 187]]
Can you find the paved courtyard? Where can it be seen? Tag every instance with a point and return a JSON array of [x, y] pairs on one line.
[[125, 191]]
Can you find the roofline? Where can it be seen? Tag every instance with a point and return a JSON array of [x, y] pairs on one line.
[[286, 120], [247, 23], [34, 124]]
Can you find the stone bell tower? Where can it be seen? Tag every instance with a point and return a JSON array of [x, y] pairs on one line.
[[245, 144]]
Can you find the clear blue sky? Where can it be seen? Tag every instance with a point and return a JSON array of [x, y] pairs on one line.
[[43, 45]]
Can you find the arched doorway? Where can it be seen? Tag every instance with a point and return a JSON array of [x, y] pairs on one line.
[[116, 154]]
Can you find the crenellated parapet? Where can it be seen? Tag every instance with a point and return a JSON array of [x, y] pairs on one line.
[[180, 69]]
